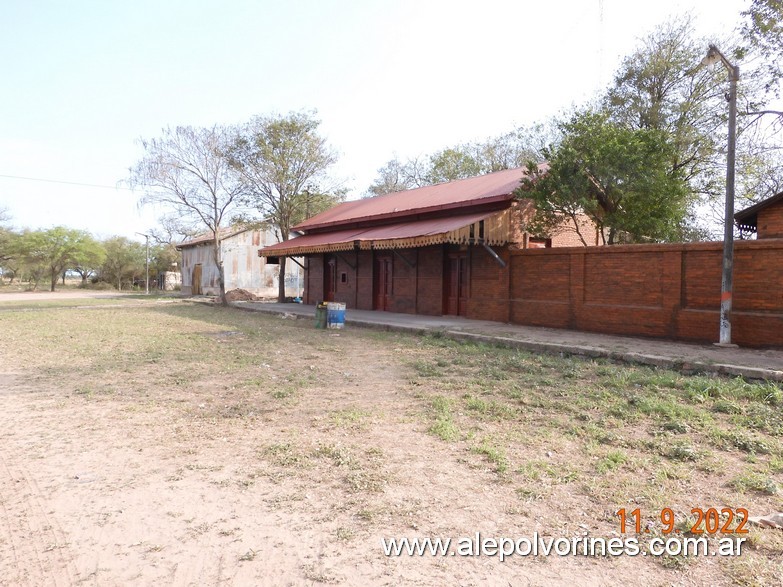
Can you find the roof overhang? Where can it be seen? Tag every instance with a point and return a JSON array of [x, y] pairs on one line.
[[491, 228], [747, 219]]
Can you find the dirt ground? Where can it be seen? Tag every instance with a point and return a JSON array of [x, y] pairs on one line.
[[278, 463]]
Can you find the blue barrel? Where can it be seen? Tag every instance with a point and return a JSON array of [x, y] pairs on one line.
[[335, 315]]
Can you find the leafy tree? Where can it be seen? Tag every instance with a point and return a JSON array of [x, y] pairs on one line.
[[188, 170], [282, 162], [50, 252], [5, 238], [454, 163], [505, 151], [662, 86], [762, 35], [88, 259], [163, 256], [620, 178], [26, 250], [397, 176], [11, 260], [124, 260]]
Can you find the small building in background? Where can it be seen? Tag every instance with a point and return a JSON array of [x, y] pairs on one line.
[[764, 219], [243, 268], [170, 281]]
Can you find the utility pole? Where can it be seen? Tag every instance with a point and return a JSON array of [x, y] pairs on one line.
[[727, 276], [147, 261]]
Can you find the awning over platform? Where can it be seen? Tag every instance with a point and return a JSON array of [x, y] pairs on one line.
[[491, 228]]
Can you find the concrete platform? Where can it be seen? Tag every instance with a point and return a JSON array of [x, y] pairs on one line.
[[749, 363]]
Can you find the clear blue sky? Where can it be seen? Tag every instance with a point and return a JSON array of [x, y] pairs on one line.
[[83, 80]]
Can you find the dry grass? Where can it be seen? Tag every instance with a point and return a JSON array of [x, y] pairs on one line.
[[569, 439]]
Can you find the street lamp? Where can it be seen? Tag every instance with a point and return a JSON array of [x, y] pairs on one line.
[[727, 278], [147, 262]]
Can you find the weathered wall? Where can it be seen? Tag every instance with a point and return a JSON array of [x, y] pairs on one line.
[[429, 280], [670, 291], [409, 288], [242, 266], [770, 221], [488, 285]]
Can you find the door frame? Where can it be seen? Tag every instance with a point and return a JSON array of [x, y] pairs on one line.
[[462, 285], [195, 280], [330, 276], [382, 264]]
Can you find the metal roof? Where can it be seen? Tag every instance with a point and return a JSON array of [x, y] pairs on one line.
[[398, 235], [208, 237], [484, 189]]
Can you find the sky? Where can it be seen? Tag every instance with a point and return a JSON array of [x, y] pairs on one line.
[[84, 81]]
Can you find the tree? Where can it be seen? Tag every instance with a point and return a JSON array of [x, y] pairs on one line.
[[11, 260], [762, 33], [282, 162], [397, 176], [505, 151], [6, 237], [660, 87], [163, 256], [188, 169], [88, 259], [124, 260], [620, 178], [50, 252], [454, 163], [26, 250]]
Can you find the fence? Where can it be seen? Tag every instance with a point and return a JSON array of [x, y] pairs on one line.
[[670, 291]]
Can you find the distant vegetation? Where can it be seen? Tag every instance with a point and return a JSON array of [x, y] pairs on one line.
[[43, 258]]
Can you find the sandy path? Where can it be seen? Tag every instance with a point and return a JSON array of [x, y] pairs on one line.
[[163, 488]]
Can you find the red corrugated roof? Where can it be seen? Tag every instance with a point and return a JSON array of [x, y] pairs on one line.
[[483, 189], [402, 230]]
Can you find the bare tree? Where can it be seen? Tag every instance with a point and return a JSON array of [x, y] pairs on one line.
[[187, 169]]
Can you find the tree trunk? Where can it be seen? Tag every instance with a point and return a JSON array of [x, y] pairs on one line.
[[55, 275], [222, 285], [281, 281], [218, 258]]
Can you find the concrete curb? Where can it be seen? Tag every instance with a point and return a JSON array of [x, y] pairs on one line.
[[681, 365]]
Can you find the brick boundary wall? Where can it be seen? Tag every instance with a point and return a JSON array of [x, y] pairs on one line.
[[666, 291]]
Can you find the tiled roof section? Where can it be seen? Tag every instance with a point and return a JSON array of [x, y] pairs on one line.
[[397, 235], [493, 187]]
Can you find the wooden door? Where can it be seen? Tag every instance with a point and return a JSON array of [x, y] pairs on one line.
[[330, 278], [455, 285], [382, 283], [195, 280]]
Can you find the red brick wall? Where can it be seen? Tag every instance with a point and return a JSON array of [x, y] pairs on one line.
[[488, 288], [345, 291], [670, 291], [769, 221], [364, 281], [314, 279], [429, 280]]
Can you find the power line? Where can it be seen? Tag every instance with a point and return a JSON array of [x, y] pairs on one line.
[[89, 185]]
